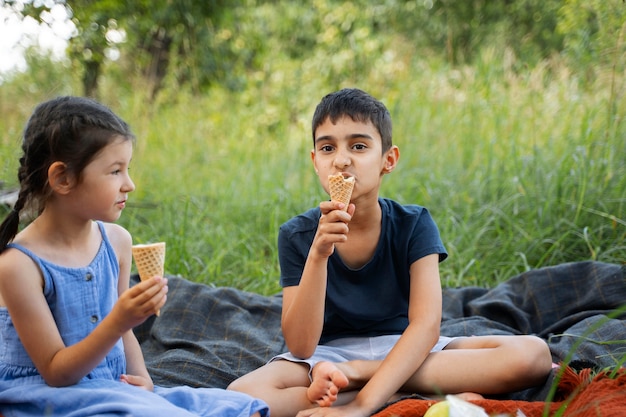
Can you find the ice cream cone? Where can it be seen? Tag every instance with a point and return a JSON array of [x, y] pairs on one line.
[[149, 260], [340, 188]]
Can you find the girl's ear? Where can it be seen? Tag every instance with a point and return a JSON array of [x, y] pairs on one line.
[[391, 159], [60, 180]]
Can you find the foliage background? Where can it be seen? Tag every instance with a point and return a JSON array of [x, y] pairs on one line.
[[509, 116]]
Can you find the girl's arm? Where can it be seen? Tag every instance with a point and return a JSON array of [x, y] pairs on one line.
[[136, 371], [21, 289]]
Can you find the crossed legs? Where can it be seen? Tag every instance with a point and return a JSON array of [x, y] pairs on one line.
[[485, 365]]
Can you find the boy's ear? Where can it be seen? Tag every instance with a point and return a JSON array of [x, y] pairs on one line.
[[60, 180], [313, 159], [391, 159]]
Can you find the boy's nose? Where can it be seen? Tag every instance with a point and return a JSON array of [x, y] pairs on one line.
[[342, 160]]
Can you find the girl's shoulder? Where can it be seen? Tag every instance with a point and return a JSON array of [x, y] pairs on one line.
[[18, 255], [119, 239], [17, 270], [117, 235], [13, 260], [114, 229]]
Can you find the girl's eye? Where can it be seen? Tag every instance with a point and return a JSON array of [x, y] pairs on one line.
[[116, 172]]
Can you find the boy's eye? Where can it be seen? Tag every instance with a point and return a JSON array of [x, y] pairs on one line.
[[359, 146], [326, 148]]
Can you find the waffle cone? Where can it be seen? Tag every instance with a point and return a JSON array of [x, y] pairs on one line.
[[149, 259], [340, 188]]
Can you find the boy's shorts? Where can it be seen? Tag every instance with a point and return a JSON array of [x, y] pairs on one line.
[[355, 348]]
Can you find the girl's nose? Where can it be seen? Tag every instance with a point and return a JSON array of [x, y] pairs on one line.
[[129, 185]]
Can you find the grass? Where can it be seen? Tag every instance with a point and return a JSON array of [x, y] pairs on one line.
[[520, 169]]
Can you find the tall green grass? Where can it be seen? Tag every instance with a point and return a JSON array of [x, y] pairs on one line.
[[519, 169]]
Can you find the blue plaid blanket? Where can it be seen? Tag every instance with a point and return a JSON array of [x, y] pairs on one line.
[[208, 336]]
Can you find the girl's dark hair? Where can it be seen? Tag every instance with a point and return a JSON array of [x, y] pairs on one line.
[[360, 107], [71, 130]]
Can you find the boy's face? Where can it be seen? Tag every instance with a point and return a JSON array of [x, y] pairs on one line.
[[355, 149]]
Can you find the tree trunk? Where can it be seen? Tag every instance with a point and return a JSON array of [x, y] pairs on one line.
[[159, 51], [90, 78]]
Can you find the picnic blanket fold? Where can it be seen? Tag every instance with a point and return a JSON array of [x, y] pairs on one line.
[[207, 336], [579, 308]]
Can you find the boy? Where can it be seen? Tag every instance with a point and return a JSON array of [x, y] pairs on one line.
[[362, 298]]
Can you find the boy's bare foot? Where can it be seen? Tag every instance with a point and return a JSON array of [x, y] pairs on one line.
[[328, 380]]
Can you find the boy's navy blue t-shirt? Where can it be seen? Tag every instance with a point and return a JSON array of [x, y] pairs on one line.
[[372, 300]]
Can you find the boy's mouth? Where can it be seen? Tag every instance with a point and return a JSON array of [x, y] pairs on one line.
[[346, 175]]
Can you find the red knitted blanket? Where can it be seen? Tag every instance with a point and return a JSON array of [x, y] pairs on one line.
[[581, 394]]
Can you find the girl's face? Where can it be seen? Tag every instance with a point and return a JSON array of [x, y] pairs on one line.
[[105, 183], [354, 149]]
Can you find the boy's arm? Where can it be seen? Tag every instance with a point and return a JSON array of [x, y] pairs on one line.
[[303, 309], [303, 305]]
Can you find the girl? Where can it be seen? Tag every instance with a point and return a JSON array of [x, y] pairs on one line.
[[66, 311]]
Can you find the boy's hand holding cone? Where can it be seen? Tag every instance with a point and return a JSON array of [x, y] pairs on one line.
[[150, 260]]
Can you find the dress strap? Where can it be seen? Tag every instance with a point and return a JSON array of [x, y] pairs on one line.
[[26, 251]]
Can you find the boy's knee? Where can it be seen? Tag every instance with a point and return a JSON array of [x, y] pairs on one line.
[[534, 358], [234, 386], [248, 386]]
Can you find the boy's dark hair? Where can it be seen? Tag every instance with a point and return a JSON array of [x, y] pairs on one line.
[[359, 106], [72, 130]]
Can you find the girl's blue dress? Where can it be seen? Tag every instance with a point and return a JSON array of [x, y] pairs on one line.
[[79, 299]]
